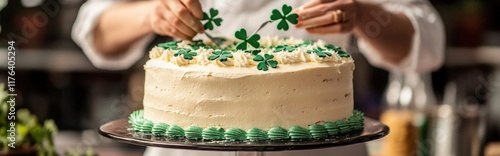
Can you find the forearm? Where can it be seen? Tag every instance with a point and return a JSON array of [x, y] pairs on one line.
[[389, 33], [121, 25]]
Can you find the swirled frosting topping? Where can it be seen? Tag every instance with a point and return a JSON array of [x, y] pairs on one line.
[[280, 50], [255, 134], [318, 131], [159, 129], [277, 133], [213, 133], [235, 134], [175, 131], [194, 133], [297, 132], [146, 126]]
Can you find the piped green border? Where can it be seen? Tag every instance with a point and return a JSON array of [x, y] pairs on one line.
[[327, 129]]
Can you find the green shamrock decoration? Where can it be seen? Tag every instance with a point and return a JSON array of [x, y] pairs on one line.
[[286, 16], [169, 45], [338, 50], [253, 52], [222, 55], [252, 40], [332, 47], [284, 47], [265, 61], [197, 44], [342, 53], [186, 53], [305, 43], [211, 19], [320, 52]]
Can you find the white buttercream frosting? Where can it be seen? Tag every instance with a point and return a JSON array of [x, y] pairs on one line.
[[304, 89]]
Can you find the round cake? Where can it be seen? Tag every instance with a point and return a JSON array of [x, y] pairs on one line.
[[285, 84]]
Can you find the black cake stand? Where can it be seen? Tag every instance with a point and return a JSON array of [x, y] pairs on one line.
[[119, 130]]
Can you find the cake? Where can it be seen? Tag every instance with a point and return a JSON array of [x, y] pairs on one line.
[[283, 88]]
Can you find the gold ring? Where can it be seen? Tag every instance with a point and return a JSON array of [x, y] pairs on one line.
[[338, 16]]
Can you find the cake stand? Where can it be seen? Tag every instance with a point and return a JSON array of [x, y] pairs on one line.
[[119, 130]]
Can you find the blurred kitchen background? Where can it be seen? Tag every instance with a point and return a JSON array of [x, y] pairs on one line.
[[455, 109]]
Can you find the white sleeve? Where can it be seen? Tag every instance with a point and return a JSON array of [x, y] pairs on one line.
[[82, 34], [427, 49]]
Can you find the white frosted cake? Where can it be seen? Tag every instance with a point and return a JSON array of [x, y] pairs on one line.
[[285, 89]]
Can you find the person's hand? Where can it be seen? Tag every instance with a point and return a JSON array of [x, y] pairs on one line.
[[327, 16], [177, 18]]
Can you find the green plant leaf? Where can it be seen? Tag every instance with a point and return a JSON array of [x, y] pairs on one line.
[[254, 40], [213, 12], [208, 26], [218, 21], [273, 63], [268, 57], [276, 15], [205, 17], [253, 52], [186, 54], [211, 19], [258, 58], [241, 34], [262, 66], [283, 25], [292, 18]]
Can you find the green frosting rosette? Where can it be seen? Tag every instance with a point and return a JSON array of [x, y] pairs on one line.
[[278, 133], [213, 133], [194, 133], [235, 134], [255, 134], [147, 126], [159, 129], [175, 131], [297, 133], [343, 126], [318, 131], [136, 119], [356, 122], [332, 128]]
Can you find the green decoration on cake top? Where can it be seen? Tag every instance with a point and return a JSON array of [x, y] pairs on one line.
[[265, 61], [235, 134], [320, 52], [284, 16], [169, 45], [211, 19], [221, 55], [253, 52], [186, 53], [255, 134], [194, 133], [284, 47], [253, 40], [197, 44]]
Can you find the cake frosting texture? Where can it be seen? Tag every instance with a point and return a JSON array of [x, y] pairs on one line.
[[194, 84]]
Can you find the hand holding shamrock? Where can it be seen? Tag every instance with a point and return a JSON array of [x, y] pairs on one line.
[[177, 18]]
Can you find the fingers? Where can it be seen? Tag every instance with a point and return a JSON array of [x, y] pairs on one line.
[[315, 11], [184, 15], [194, 7], [165, 23], [331, 29], [317, 21]]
